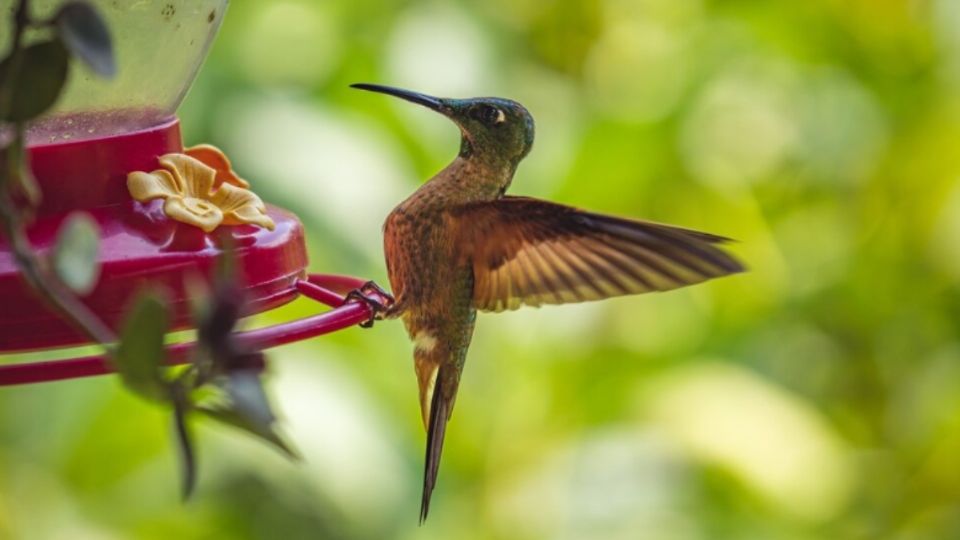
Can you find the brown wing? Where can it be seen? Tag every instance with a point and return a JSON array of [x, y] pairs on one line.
[[527, 251]]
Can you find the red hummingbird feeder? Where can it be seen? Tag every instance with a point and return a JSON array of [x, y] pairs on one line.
[[165, 212]]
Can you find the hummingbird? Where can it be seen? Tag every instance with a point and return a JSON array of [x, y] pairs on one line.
[[459, 245]]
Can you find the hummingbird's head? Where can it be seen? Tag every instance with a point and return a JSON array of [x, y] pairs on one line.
[[495, 128]]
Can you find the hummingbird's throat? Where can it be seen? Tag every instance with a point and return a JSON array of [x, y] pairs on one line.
[[492, 159], [466, 147]]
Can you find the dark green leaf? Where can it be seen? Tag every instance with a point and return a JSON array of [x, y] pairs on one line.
[[75, 253], [188, 462], [247, 408], [38, 81], [85, 33], [141, 353]]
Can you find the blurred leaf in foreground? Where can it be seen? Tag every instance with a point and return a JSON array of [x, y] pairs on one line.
[[246, 407], [34, 82], [85, 33], [188, 461], [75, 253], [141, 353]]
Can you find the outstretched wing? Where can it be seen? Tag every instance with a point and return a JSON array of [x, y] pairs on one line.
[[530, 252]]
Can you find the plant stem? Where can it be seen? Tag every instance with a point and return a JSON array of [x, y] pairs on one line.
[[48, 287], [31, 267]]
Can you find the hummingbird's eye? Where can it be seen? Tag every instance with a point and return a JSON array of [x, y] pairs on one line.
[[488, 114]]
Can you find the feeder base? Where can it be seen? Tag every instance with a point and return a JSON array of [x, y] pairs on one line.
[[140, 247]]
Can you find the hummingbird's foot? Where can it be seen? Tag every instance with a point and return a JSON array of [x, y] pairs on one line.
[[378, 300]]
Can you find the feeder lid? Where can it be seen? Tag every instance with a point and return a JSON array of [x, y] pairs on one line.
[[159, 46]]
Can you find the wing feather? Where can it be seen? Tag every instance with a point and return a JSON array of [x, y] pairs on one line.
[[530, 252], [587, 287], [553, 285]]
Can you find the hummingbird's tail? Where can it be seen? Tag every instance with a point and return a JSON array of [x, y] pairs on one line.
[[439, 379], [441, 404]]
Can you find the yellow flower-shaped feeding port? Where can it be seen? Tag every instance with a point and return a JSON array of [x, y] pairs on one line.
[[200, 188]]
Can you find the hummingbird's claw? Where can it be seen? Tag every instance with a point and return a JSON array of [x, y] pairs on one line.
[[378, 300]]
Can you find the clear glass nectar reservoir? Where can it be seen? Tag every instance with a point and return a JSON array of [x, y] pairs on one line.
[[159, 47]]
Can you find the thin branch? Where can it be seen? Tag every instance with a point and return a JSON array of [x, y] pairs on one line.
[[48, 287]]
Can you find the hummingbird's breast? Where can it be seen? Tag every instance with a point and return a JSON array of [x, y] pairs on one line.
[[421, 253], [433, 284]]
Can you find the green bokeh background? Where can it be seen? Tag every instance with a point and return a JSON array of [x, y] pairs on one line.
[[815, 397]]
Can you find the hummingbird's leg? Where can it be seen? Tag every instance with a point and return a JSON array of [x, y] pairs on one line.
[[378, 300]]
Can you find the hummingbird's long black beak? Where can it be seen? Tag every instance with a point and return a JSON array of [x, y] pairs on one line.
[[429, 102]]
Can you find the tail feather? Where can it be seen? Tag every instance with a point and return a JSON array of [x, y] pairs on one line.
[[437, 363], [440, 405]]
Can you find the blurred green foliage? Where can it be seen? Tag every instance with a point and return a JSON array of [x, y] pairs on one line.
[[817, 396]]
